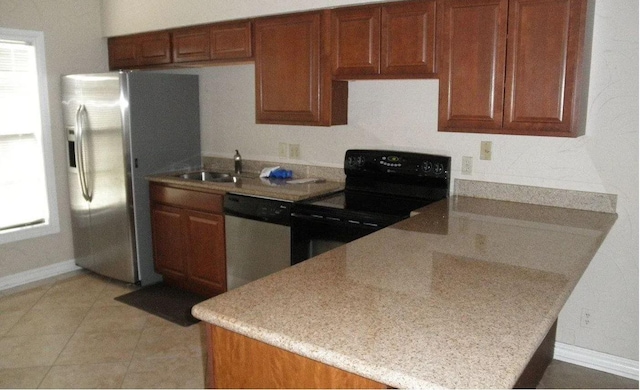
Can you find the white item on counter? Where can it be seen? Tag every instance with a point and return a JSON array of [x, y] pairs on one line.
[[267, 171], [307, 180]]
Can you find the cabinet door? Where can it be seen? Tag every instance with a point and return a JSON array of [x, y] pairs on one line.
[[207, 271], [539, 93], [122, 53], [473, 65], [169, 246], [155, 49], [408, 38], [139, 50], [355, 34], [293, 72], [231, 41], [191, 44], [288, 69]]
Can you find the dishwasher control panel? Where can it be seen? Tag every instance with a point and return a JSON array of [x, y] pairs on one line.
[[256, 208]]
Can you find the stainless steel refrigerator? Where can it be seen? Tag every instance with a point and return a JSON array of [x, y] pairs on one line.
[[121, 127]]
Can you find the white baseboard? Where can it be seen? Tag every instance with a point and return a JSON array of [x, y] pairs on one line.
[[37, 274], [596, 360]]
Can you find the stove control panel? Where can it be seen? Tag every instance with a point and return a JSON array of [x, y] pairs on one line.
[[385, 162]]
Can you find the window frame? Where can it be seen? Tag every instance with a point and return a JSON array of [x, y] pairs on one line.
[[52, 222]]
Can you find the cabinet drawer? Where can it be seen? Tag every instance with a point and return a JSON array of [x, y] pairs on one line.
[[190, 199]]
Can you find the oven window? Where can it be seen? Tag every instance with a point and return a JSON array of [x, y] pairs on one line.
[[318, 246], [311, 237]]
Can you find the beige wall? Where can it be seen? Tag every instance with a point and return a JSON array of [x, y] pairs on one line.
[[403, 115], [73, 44], [126, 16]]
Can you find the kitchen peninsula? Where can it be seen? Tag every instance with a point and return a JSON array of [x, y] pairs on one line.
[[459, 296]]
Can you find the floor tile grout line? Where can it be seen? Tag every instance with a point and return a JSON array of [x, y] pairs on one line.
[[44, 376], [30, 307], [69, 339], [133, 353], [50, 286]]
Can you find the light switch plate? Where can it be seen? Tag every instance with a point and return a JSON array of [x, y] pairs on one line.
[[283, 149], [485, 150]]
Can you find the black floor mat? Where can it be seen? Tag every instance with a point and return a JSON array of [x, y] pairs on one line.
[[171, 303]]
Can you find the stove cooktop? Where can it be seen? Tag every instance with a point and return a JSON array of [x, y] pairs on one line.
[[382, 187], [356, 202]]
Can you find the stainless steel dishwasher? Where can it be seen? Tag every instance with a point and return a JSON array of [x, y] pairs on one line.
[[258, 237]]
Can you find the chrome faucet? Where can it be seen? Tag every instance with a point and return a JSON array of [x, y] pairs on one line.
[[237, 162]]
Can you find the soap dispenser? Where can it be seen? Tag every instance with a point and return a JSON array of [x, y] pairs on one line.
[[237, 162]]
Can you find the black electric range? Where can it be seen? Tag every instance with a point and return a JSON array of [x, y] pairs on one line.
[[382, 187]]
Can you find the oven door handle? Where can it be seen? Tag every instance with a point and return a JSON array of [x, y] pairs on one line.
[[317, 217], [308, 216]]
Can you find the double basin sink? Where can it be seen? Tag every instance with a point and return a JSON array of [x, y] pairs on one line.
[[217, 177]]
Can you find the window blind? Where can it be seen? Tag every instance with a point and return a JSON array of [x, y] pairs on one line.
[[23, 193]]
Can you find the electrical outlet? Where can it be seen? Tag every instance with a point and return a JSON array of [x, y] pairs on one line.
[[467, 165], [283, 149], [481, 243], [294, 151], [485, 150], [586, 319]]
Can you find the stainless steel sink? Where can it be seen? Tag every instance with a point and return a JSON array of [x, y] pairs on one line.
[[218, 177]]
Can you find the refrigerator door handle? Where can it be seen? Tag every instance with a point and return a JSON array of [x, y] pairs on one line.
[[82, 174]]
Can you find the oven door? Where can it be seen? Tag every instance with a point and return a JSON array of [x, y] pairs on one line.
[[312, 235]]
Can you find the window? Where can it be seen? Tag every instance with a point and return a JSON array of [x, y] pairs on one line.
[[27, 185]]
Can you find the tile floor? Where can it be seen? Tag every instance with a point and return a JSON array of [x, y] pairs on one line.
[[69, 332]]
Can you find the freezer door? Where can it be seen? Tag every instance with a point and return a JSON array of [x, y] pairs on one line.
[[163, 126], [80, 213], [107, 227]]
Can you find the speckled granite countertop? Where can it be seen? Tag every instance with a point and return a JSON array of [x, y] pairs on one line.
[[458, 296], [251, 184]]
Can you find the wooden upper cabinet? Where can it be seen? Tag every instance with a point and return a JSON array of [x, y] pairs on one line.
[[293, 76], [473, 64], [139, 50], [356, 41], [530, 80], [218, 42], [544, 95], [408, 41], [231, 41], [395, 39], [191, 44]]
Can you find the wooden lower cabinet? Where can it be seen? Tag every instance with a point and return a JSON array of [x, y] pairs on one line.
[[236, 361], [168, 242], [188, 239], [206, 265]]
